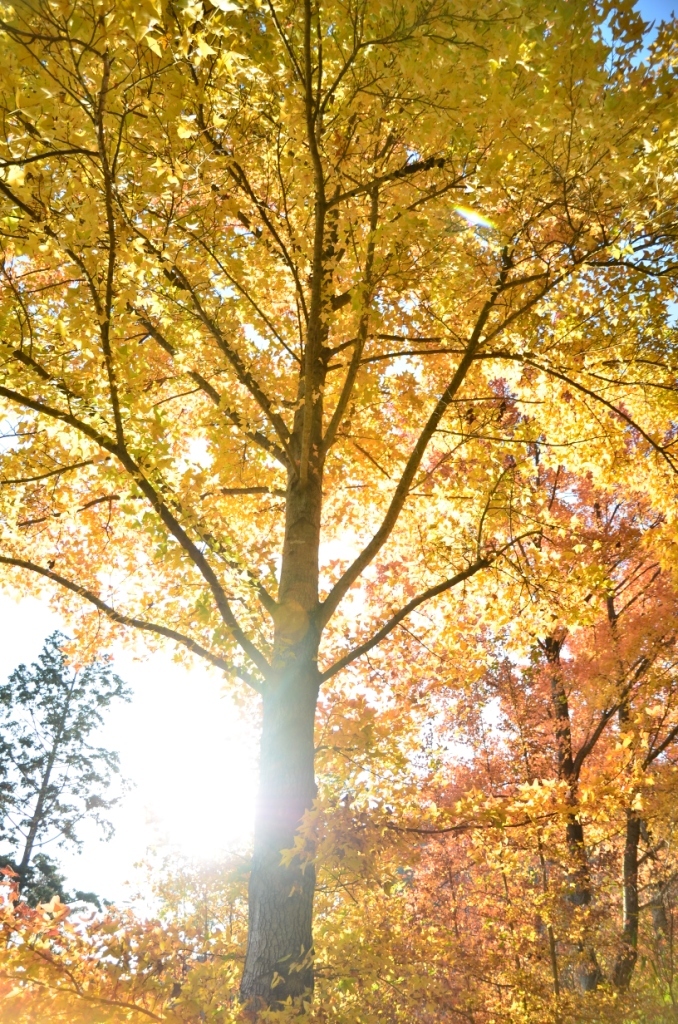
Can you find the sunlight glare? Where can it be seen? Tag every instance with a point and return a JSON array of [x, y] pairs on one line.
[[184, 746]]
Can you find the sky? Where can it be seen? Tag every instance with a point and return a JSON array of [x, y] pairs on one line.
[[182, 743], [657, 10]]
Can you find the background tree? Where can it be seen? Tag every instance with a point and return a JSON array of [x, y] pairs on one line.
[[54, 777], [244, 310], [550, 860]]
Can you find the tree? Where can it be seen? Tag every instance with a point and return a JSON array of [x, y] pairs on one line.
[[53, 777], [550, 869], [271, 384], [108, 967], [42, 880]]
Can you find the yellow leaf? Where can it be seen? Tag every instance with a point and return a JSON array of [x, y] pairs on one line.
[[204, 48]]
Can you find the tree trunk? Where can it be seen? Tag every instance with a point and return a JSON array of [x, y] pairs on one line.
[[279, 950], [586, 970], [279, 960], [39, 809], [660, 920], [628, 953], [580, 894], [628, 950]]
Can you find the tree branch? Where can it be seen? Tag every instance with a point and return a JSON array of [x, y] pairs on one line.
[[277, 491], [398, 500], [440, 588], [389, 626], [127, 620], [314, 332], [359, 346], [590, 743], [22, 161], [402, 172], [285, 41], [654, 754], [166, 516], [529, 361], [254, 435], [105, 314], [242, 373], [44, 476]]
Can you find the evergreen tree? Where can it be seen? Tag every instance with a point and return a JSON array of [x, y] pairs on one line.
[[51, 775]]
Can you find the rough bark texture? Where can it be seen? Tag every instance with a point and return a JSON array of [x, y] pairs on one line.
[[279, 953], [628, 953], [580, 894], [587, 973], [660, 920], [628, 947], [279, 961]]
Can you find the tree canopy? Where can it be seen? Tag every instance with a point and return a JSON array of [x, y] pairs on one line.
[[306, 308]]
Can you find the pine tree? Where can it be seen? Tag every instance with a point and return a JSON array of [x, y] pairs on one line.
[[53, 777]]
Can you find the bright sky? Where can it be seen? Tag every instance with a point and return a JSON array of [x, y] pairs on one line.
[[182, 743]]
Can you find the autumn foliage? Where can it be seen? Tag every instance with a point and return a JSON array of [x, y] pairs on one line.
[[494, 836], [338, 350]]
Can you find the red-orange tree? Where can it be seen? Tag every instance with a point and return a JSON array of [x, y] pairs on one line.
[[548, 872], [272, 276]]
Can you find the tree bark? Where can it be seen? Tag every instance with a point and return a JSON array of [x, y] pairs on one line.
[[574, 831], [280, 946], [586, 970], [279, 960], [628, 953], [660, 920]]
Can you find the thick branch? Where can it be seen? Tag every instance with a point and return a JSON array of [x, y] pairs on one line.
[[402, 172], [388, 627], [590, 743], [403, 488], [64, 417], [44, 476], [22, 161], [242, 373], [315, 325], [277, 491], [286, 42], [254, 435], [168, 519], [654, 754], [105, 322], [127, 620], [359, 346]]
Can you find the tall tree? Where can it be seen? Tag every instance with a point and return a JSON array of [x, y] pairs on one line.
[[54, 776], [287, 289], [556, 804]]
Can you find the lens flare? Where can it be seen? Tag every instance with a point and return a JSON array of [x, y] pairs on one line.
[[471, 217]]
